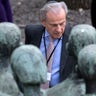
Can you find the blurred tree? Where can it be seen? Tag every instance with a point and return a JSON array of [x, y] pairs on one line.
[[76, 4], [93, 13]]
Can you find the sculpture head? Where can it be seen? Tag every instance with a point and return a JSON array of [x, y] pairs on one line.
[[10, 37], [87, 62], [81, 35], [29, 65]]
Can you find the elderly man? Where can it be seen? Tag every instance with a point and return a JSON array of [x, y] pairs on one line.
[[53, 25]]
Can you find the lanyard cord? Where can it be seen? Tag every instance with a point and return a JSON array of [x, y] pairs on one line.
[[52, 50]]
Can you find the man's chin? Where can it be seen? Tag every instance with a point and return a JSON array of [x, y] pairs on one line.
[[57, 37]]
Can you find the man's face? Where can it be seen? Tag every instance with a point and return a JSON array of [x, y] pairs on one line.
[[55, 23]]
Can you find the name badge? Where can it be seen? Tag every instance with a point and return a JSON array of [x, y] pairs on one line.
[[48, 76]]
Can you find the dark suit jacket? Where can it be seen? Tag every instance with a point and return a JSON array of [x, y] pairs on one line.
[[33, 35]]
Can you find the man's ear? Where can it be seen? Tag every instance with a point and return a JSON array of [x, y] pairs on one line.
[[43, 23]]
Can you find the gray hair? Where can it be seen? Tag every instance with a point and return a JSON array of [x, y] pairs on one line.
[[52, 6]]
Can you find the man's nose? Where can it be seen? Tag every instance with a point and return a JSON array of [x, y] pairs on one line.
[[58, 28]]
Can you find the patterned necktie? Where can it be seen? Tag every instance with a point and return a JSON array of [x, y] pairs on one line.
[[49, 64], [49, 56]]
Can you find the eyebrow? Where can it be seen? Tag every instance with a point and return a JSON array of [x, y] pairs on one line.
[[58, 23]]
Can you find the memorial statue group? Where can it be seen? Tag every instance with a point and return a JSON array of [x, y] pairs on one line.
[[21, 60], [23, 67]]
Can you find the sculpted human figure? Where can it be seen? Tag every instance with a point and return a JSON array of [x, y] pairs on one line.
[[10, 37], [81, 35], [87, 68], [29, 68]]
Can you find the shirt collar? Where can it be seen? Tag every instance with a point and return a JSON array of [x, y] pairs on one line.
[[47, 34]]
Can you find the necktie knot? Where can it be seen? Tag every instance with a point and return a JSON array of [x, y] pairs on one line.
[[50, 39]]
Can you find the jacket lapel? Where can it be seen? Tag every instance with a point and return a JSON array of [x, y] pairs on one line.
[[63, 53]]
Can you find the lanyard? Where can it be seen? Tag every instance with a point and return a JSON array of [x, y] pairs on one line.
[[46, 48]]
